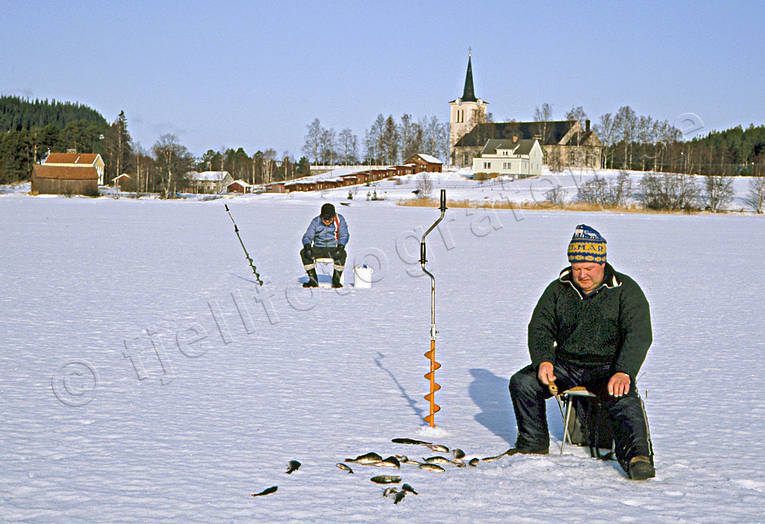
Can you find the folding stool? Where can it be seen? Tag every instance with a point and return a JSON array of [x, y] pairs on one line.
[[328, 264], [568, 397]]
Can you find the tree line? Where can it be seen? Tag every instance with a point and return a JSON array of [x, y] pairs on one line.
[[17, 113], [386, 142], [29, 130], [640, 142]]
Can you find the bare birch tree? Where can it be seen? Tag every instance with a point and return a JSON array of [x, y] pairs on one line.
[[269, 155], [173, 161], [313, 140], [543, 115], [347, 144], [605, 131]]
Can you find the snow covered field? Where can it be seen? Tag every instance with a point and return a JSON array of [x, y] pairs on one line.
[[145, 377], [504, 190]]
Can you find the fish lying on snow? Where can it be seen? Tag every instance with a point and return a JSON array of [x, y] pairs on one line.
[[367, 458], [496, 457], [438, 448], [344, 467], [438, 459], [410, 489], [431, 467], [390, 462], [386, 479], [293, 465], [397, 495], [409, 441], [458, 453], [266, 491]]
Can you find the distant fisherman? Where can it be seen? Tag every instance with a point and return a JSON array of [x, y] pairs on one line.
[[326, 237]]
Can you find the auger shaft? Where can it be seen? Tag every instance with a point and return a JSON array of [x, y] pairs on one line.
[[246, 254], [431, 355]]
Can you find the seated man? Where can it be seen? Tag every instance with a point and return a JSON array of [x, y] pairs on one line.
[[326, 237], [591, 328]]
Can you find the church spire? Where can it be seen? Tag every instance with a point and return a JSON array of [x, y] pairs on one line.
[[468, 94]]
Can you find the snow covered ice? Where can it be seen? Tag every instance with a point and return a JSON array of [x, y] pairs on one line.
[[147, 378]]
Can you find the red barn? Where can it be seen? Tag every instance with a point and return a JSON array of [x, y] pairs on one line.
[[64, 180], [425, 162]]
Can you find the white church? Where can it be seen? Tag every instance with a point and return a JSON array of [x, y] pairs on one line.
[[515, 148]]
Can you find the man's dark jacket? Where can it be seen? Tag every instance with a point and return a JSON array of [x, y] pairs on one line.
[[611, 325]]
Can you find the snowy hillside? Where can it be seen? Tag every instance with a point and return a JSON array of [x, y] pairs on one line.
[[462, 186], [145, 377]]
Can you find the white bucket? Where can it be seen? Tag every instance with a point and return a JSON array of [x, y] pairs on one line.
[[362, 277]]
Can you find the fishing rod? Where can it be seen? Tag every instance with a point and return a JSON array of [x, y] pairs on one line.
[[431, 355], [249, 258]]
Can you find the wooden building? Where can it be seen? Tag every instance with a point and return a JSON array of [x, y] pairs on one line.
[[239, 186], [64, 180], [515, 157], [275, 187], [80, 160], [425, 163], [209, 181]]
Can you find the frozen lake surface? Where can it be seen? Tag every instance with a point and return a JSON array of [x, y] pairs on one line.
[[147, 378]]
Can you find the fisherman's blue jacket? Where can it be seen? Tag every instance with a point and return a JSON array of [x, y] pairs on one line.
[[320, 235]]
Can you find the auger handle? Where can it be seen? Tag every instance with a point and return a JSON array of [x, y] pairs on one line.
[[443, 201]]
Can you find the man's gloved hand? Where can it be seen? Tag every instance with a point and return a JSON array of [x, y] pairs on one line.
[[307, 250], [339, 250]]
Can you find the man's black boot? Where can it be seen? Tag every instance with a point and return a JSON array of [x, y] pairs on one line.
[[336, 277], [640, 468], [313, 279], [528, 451]]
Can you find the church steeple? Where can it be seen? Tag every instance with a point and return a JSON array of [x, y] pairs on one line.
[[464, 114], [468, 94]]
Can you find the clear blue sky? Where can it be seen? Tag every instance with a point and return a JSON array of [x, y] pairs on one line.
[[256, 73]]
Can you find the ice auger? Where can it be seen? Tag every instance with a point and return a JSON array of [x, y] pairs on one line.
[[431, 355], [246, 254]]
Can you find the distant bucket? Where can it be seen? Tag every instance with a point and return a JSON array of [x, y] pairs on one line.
[[362, 276]]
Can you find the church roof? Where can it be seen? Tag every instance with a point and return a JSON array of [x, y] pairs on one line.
[[554, 132], [521, 147]]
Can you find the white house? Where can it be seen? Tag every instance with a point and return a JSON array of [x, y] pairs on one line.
[[509, 157], [210, 181]]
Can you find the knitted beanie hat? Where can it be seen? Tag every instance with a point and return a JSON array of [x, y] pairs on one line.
[[327, 211], [587, 246]]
